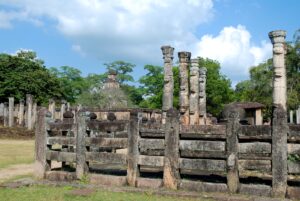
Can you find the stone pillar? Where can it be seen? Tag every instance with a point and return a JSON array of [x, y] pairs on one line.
[[21, 113], [202, 95], [258, 117], [62, 109], [279, 120], [34, 114], [168, 79], [279, 76], [133, 169], [291, 116], [194, 92], [5, 114], [171, 177], [29, 102], [41, 163], [52, 108], [232, 129], [184, 61], [298, 116], [11, 102]]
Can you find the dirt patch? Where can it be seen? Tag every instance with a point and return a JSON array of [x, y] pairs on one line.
[[16, 133], [16, 170]]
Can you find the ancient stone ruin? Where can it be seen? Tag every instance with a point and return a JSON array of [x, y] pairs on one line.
[[169, 148]]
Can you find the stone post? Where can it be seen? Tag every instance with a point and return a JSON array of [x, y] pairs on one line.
[[29, 102], [133, 170], [279, 74], [1, 109], [232, 129], [202, 95], [81, 165], [62, 109], [52, 108], [34, 114], [11, 102], [291, 116], [279, 120], [168, 79], [5, 114], [171, 177], [184, 61], [41, 163], [194, 92], [298, 116], [21, 113]]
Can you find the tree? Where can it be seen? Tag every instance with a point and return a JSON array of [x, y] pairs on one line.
[[218, 87], [70, 81], [123, 70], [23, 74]]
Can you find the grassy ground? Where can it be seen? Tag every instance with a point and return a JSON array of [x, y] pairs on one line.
[[41, 193], [14, 152]]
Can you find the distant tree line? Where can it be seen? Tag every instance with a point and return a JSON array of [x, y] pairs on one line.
[[24, 73]]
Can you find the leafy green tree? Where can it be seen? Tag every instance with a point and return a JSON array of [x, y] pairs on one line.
[[218, 87], [23, 74], [123, 70], [70, 81]]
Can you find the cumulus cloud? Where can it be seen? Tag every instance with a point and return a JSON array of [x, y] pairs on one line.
[[120, 29], [234, 50]]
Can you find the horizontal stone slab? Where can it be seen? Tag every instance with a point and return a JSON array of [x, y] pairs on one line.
[[60, 176], [255, 165], [255, 148], [106, 158], [61, 156], [155, 133], [202, 186], [149, 183], [293, 148], [293, 167], [203, 154], [61, 126], [107, 142], [203, 164], [108, 180], [256, 189], [255, 132], [293, 192], [61, 140], [151, 144], [154, 161], [198, 145], [203, 129]]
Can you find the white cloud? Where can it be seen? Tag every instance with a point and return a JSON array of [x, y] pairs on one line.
[[234, 50], [77, 48], [132, 30]]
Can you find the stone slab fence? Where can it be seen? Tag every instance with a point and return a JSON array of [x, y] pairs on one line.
[[143, 152]]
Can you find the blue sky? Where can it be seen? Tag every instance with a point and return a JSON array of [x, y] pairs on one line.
[[87, 33]]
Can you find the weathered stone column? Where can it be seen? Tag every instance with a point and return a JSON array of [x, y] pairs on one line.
[[298, 116], [171, 177], [5, 114], [202, 95], [11, 102], [29, 101], [194, 92], [279, 76], [34, 114], [1, 109], [279, 120], [62, 109], [184, 61], [81, 165], [291, 116], [52, 108], [21, 113], [133, 170], [168, 79]]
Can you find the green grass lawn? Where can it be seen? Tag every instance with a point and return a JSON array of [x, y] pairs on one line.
[[46, 193], [14, 152]]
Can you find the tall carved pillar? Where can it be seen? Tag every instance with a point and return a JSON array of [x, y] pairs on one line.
[[11, 103], [202, 95], [184, 61], [29, 102], [21, 113], [52, 108], [194, 92], [279, 77], [168, 79], [279, 120]]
